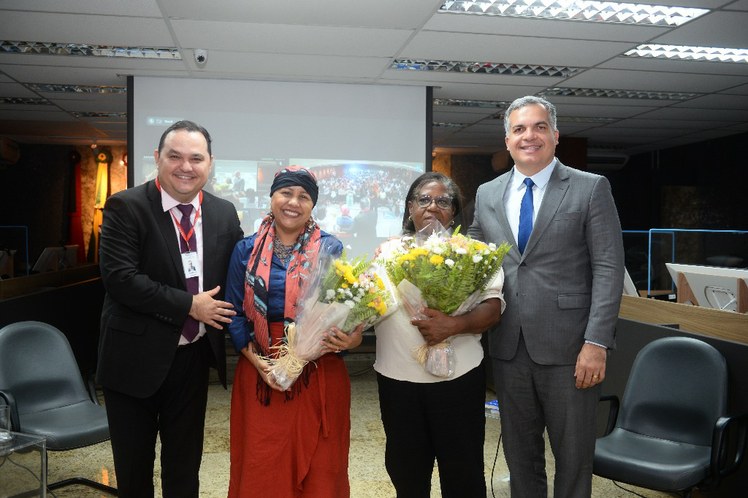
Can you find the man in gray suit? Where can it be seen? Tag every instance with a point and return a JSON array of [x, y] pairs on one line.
[[563, 285]]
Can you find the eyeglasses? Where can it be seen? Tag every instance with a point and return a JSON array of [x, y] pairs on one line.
[[442, 202]]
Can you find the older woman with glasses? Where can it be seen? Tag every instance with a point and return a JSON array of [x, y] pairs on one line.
[[426, 417]]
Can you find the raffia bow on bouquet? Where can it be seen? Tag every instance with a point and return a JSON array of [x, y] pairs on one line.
[[446, 272], [345, 295]]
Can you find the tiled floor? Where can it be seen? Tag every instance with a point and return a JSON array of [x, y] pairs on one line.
[[367, 474]]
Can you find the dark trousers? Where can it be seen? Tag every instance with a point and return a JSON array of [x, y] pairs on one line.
[[443, 421], [176, 413], [534, 398]]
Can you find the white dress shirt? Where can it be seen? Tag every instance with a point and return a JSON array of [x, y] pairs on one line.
[[516, 191]]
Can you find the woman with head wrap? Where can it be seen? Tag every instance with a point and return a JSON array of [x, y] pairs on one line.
[[291, 443]]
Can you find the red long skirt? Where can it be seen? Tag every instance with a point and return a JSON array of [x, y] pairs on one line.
[[291, 448]]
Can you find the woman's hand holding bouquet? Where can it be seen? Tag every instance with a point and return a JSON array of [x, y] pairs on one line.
[[444, 272], [345, 295]]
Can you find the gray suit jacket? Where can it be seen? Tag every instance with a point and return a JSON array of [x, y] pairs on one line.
[[566, 288]]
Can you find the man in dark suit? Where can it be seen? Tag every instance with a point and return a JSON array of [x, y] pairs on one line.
[[164, 252], [563, 285]]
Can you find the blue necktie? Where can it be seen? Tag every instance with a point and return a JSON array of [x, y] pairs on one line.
[[525, 217], [191, 327]]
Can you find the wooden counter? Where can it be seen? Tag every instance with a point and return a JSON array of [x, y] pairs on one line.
[[29, 284], [727, 325]]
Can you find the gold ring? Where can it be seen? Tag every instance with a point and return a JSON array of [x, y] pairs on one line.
[[594, 376]]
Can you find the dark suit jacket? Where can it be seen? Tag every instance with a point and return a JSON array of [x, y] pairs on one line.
[[566, 288], [146, 300]]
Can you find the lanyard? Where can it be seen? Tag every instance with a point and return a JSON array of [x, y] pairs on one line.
[[185, 236]]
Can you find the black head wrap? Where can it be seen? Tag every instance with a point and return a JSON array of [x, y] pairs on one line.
[[296, 176]]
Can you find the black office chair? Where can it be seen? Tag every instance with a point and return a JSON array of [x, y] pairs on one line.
[[40, 380], [672, 433]]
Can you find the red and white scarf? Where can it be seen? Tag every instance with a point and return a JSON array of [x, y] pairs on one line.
[[304, 257]]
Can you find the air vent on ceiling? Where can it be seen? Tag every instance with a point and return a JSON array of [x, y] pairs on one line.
[[606, 160]]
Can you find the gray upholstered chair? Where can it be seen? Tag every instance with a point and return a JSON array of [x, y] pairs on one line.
[[672, 432], [40, 380]]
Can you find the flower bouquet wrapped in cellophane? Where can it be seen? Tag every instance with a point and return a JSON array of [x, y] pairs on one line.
[[446, 272], [343, 294], [363, 287]]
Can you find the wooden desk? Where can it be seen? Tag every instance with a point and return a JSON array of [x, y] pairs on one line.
[[29, 284], [726, 325]]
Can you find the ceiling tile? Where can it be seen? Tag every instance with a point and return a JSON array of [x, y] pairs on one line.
[[290, 39], [515, 26], [511, 49], [145, 8], [675, 66], [715, 29], [81, 28], [341, 41], [655, 82], [381, 13]]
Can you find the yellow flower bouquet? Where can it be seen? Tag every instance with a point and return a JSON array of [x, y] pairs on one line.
[[445, 272], [344, 294], [359, 285]]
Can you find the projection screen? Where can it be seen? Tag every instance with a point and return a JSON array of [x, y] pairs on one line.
[[365, 144]]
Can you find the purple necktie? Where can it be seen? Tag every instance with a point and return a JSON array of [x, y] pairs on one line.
[[191, 326]]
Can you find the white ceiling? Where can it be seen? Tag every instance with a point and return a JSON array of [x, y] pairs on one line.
[[355, 41]]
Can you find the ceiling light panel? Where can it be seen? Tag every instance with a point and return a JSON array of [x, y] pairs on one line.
[[711, 54], [483, 104], [484, 68], [99, 114], [586, 119], [77, 49], [24, 101], [617, 94], [578, 10], [573, 119], [57, 88], [449, 125]]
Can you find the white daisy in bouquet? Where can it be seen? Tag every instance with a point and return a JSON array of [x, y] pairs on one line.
[[363, 287]]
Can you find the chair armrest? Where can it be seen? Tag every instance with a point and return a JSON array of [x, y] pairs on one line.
[[615, 404], [8, 399], [719, 466]]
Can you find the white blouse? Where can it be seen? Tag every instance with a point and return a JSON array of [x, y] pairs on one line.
[[397, 339]]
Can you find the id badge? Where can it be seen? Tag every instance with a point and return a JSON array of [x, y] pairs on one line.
[[189, 263]]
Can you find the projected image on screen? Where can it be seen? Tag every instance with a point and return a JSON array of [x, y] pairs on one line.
[[364, 143], [360, 202]]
